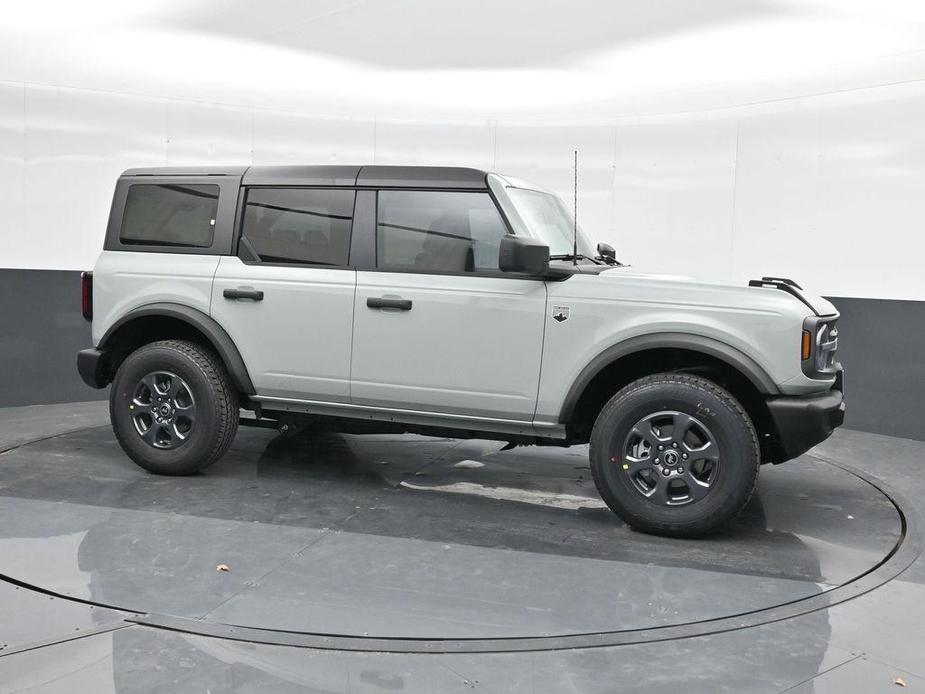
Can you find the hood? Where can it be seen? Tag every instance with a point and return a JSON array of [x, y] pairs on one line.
[[780, 289]]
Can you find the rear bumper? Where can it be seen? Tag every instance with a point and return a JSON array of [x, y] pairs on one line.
[[92, 365], [804, 421]]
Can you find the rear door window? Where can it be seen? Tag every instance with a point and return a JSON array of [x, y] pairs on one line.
[[170, 214], [299, 225]]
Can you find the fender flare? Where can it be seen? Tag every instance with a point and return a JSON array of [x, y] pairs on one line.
[[695, 343], [220, 341]]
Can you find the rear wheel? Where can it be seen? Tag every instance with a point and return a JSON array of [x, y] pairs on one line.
[[674, 454], [173, 408]]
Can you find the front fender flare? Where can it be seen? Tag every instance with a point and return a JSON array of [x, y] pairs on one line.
[[695, 343]]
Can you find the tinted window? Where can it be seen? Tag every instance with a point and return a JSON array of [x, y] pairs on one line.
[[291, 225], [437, 231], [170, 214]]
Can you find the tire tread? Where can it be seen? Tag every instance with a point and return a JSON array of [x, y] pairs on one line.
[[697, 383], [226, 397]]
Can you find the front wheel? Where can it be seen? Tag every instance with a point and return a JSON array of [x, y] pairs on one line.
[[173, 408], [674, 454]]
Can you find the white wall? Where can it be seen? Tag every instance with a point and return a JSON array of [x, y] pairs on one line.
[[769, 138], [827, 189]]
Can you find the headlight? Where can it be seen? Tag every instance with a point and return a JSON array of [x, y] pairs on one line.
[[819, 346]]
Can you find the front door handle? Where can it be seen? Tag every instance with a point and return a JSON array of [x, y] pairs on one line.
[[243, 293], [383, 302]]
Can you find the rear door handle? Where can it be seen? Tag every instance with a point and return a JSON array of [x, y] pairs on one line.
[[383, 302], [243, 293]]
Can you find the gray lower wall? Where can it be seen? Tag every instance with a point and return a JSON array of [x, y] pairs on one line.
[[41, 330], [881, 344]]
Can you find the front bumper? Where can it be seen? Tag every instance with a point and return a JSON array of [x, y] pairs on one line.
[[804, 421], [93, 367]]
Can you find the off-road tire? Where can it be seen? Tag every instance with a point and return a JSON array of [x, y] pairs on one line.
[[217, 410], [709, 403]]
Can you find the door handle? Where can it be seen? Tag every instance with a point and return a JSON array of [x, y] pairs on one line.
[[383, 302], [242, 293]]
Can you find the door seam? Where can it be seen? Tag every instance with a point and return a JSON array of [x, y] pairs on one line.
[[539, 378], [353, 323]]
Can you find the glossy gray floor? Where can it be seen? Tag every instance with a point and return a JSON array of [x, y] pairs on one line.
[[409, 544]]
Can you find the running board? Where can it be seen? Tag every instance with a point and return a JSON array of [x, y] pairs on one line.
[[430, 419]]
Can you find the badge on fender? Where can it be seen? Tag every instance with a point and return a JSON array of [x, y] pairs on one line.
[[560, 313]]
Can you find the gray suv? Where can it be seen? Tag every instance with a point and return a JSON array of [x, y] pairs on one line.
[[449, 302]]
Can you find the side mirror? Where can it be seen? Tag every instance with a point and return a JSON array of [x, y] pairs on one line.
[[607, 252], [523, 254]]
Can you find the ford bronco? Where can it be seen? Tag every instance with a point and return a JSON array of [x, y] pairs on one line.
[[448, 302]]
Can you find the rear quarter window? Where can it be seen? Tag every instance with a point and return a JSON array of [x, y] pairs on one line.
[[170, 214]]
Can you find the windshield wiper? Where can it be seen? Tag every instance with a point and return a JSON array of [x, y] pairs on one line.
[[570, 257]]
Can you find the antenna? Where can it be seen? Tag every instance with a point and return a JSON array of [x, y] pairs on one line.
[[575, 216]]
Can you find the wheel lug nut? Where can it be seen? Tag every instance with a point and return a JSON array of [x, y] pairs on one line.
[[661, 448], [684, 455], [674, 445], [666, 472], [680, 470], [657, 461]]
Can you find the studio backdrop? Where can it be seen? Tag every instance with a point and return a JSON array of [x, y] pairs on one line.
[[704, 148]]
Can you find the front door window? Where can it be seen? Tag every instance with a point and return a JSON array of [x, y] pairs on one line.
[[438, 232]]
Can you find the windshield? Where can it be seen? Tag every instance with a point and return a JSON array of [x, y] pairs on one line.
[[548, 219]]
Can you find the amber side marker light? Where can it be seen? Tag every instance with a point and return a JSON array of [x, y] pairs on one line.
[[807, 344]]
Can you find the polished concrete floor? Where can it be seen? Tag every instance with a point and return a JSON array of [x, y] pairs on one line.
[[405, 563]]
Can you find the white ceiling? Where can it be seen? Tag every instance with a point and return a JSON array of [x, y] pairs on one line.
[[466, 59], [469, 34]]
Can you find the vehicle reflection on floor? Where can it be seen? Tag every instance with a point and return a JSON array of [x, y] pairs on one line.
[[391, 536]]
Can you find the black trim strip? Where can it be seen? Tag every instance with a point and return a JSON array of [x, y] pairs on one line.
[[76, 636]]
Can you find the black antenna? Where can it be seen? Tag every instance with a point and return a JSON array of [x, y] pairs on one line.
[[575, 216]]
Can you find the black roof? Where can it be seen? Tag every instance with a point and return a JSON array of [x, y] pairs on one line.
[[374, 176]]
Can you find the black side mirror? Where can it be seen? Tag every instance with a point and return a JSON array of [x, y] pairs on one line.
[[523, 254], [607, 252]]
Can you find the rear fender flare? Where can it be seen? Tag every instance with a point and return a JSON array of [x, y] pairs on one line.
[[220, 341]]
